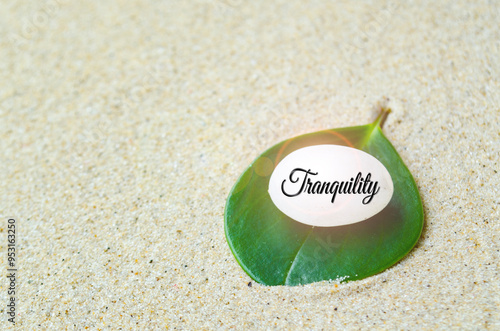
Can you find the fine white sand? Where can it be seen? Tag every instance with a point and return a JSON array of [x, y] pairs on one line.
[[124, 126]]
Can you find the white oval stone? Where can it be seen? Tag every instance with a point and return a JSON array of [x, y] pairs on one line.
[[330, 185]]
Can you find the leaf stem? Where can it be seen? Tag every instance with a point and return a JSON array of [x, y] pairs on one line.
[[380, 120]]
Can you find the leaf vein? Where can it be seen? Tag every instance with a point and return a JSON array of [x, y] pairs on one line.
[[295, 257]]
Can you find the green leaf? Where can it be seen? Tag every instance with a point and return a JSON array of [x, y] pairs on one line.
[[274, 249]]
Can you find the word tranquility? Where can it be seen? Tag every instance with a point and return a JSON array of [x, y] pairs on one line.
[[359, 185]]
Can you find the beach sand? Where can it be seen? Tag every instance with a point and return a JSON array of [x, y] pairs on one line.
[[124, 126]]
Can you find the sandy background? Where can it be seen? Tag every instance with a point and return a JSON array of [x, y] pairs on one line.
[[124, 126]]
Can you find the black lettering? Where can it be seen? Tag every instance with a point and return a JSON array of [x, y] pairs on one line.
[[306, 172], [355, 185]]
